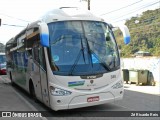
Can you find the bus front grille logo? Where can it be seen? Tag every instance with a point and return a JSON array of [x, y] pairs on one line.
[[91, 81], [91, 77]]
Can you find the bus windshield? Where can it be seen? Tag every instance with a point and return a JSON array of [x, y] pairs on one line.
[[82, 48], [2, 59]]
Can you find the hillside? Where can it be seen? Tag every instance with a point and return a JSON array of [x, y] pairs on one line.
[[145, 34]]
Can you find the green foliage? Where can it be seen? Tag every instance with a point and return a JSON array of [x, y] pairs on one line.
[[145, 35]]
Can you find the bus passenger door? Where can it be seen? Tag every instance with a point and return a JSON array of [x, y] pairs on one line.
[[35, 66], [43, 76]]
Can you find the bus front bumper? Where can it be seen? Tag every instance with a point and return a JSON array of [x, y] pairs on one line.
[[87, 100]]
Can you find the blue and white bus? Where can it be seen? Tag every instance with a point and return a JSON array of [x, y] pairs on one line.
[[67, 59]]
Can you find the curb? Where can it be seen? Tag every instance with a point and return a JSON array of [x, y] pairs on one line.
[[28, 104]]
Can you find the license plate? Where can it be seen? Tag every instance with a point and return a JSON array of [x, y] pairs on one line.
[[92, 99]]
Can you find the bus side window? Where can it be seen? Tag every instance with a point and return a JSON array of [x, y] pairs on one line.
[[32, 41], [36, 53]]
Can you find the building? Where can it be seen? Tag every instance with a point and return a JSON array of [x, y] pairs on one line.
[[2, 48]]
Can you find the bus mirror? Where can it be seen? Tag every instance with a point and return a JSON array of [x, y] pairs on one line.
[[125, 33], [44, 34]]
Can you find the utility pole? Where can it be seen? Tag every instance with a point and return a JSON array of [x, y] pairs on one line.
[[88, 4]]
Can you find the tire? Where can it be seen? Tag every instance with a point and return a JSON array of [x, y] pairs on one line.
[[151, 79], [137, 84], [152, 83], [32, 91]]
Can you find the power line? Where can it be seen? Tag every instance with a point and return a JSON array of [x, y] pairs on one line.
[[134, 11], [14, 17], [143, 19], [138, 9], [13, 25], [121, 8]]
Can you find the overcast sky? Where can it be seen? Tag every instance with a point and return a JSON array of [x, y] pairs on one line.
[[21, 12]]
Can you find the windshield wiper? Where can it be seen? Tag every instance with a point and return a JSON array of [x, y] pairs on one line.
[[101, 61], [58, 39], [75, 63], [77, 58], [89, 51], [82, 49]]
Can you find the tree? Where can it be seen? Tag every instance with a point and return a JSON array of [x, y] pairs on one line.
[[145, 35]]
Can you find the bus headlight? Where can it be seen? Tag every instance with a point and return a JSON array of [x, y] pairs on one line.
[[59, 92], [118, 85]]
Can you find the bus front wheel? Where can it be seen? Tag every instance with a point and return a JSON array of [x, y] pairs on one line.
[[32, 91]]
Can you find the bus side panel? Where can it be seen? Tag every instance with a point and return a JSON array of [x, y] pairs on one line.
[[44, 78]]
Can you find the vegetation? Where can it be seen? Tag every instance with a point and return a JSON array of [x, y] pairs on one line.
[[145, 34]]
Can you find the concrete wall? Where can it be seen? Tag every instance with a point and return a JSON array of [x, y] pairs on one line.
[[145, 63]]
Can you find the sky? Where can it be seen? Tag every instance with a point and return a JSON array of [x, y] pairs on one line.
[[23, 12]]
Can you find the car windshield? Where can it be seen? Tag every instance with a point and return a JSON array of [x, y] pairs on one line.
[[82, 47]]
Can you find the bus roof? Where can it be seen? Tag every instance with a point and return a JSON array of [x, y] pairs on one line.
[[69, 13], [61, 14]]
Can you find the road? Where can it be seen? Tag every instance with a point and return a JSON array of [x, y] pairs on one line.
[[15, 99]]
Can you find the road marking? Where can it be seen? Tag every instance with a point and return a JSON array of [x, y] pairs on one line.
[[20, 96], [30, 105], [5, 80]]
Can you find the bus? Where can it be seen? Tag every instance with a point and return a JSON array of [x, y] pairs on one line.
[[67, 59], [2, 64]]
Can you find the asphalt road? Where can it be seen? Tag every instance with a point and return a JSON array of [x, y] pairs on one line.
[[135, 102]]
